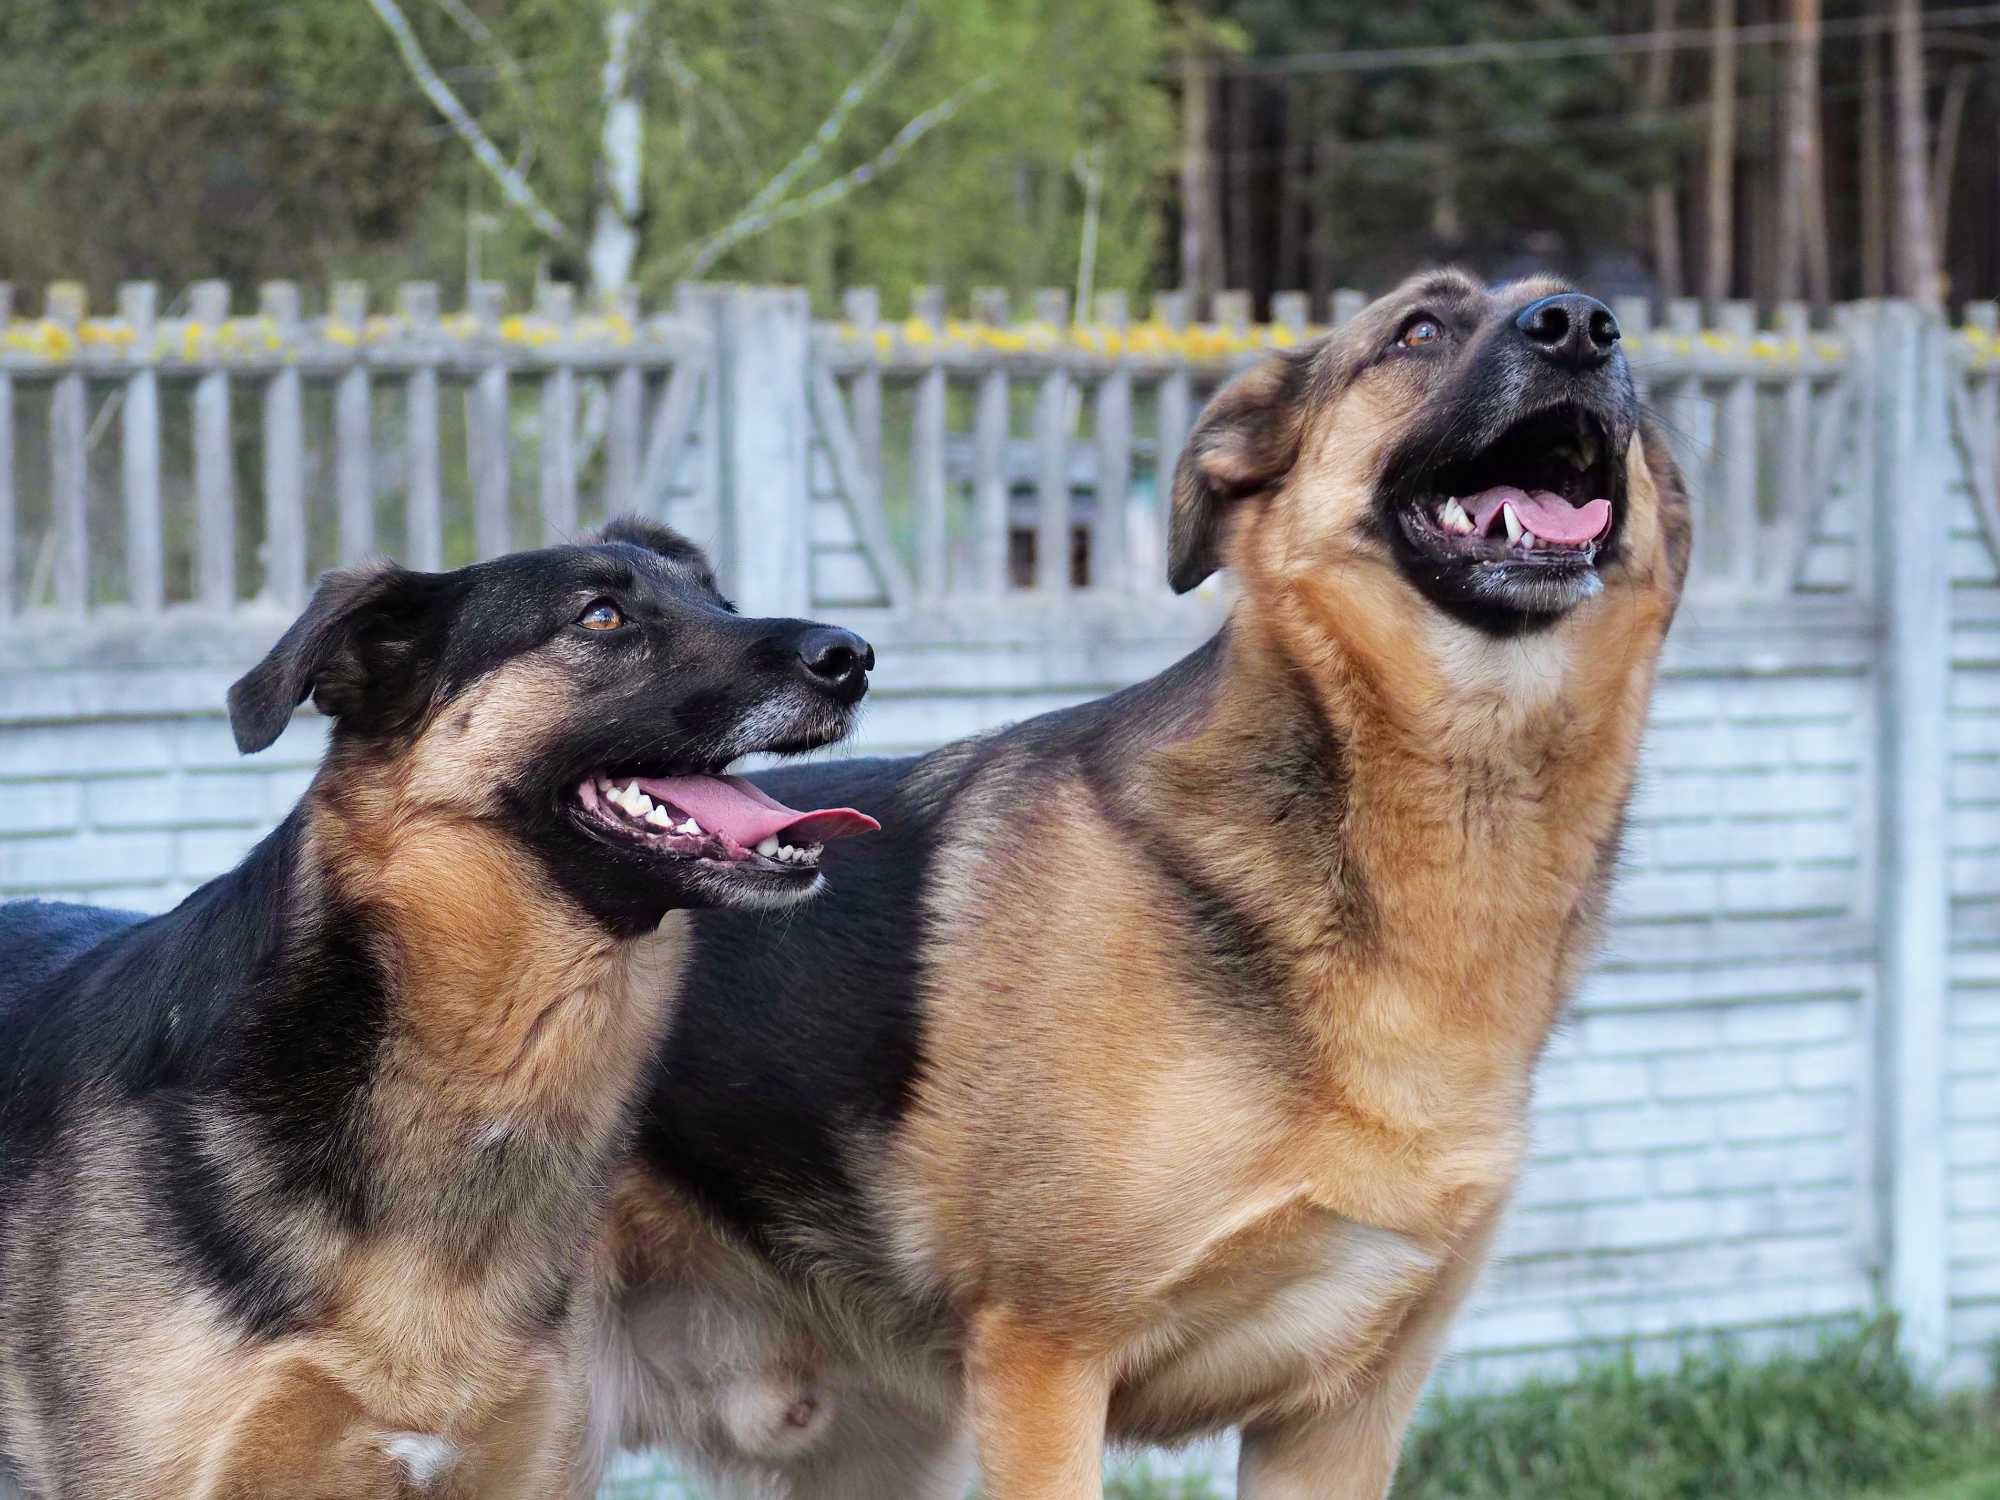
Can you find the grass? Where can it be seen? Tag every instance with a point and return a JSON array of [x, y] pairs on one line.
[[1846, 1421]]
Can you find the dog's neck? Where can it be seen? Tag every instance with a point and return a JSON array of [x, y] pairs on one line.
[[1447, 807]]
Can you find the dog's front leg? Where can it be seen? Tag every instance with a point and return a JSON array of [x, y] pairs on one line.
[[1038, 1408]]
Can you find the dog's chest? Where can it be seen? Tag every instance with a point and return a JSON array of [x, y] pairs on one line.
[[1278, 1325]]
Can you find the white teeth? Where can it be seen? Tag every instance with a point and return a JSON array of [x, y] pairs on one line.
[[1514, 526], [769, 847], [639, 806], [659, 817], [690, 826], [1454, 517]]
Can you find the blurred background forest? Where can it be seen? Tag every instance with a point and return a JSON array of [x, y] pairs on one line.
[[1718, 148]]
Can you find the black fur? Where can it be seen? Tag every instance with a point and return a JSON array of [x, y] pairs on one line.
[[798, 1035], [232, 1042]]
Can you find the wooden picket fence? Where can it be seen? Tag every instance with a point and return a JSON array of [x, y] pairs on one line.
[[860, 462]]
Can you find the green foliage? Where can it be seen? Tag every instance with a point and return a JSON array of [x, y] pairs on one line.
[[1478, 159], [179, 138], [1844, 1418]]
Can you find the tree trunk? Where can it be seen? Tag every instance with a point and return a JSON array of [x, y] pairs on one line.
[[1799, 159], [1951, 122], [1239, 272], [1720, 227], [1294, 185], [614, 233], [1915, 250], [1874, 176], [1200, 233], [1663, 207]]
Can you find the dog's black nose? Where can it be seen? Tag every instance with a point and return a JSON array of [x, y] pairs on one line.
[[1574, 331], [837, 658]]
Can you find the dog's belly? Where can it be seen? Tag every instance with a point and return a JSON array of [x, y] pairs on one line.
[[1294, 1328]]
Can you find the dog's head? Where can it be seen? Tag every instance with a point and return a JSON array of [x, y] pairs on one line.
[[1484, 444], [581, 701]]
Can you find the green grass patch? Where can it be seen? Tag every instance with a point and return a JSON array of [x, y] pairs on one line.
[[1845, 1419]]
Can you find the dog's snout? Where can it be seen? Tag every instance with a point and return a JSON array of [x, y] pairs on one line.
[[1569, 329], [835, 658]]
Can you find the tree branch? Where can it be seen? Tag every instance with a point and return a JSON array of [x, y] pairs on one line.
[[814, 150], [512, 184], [746, 224]]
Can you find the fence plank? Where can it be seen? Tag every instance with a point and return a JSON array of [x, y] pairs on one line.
[[214, 461], [555, 302], [1174, 419], [1736, 438], [1052, 434], [1110, 558], [423, 534], [353, 435], [927, 436], [1781, 552], [488, 431], [1347, 302], [862, 307], [625, 422], [864, 500], [284, 458], [139, 454], [69, 470], [992, 421], [9, 521]]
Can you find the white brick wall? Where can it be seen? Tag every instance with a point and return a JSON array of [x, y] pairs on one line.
[[1703, 1145]]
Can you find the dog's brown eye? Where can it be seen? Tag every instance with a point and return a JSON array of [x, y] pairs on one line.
[[1420, 331], [602, 615]]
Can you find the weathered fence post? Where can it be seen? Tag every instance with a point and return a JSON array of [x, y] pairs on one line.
[[423, 530], [1913, 446], [991, 424], [762, 363], [927, 438], [353, 429], [555, 304], [1052, 435], [1110, 557], [489, 427], [69, 467], [139, 454], [8, 521], [214, 458], [284, 457]]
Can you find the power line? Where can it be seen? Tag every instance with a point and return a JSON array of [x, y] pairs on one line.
[[1620, 44]]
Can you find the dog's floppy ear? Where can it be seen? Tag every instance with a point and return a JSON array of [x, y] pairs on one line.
[[1245, 442], [358, 651]]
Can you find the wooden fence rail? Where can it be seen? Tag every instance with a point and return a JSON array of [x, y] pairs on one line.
[[869, 460]]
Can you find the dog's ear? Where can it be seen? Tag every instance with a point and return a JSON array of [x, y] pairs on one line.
[[1245, 442], [637, 531], [359, 651]]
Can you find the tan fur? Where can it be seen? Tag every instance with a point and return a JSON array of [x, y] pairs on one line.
[[1155, 1210], [517, 1034]]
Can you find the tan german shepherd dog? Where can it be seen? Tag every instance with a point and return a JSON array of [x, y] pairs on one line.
[[1164, 1066], [301, 1182]]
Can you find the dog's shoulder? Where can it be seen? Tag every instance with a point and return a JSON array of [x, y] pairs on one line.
[[39, 939]]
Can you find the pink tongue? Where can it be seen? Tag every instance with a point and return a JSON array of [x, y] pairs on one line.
[[746, 815], [1548, 515]]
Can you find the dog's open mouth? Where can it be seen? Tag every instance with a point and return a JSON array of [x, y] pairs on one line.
[[1545, 493], [724, 819]]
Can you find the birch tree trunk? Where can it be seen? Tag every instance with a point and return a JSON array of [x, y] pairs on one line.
[[614, 234]]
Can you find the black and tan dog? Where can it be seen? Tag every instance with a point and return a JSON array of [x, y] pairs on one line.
[[1165, 1065], [298, 1181]]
